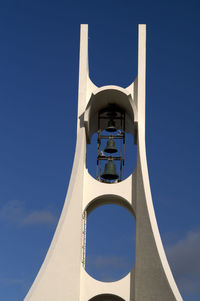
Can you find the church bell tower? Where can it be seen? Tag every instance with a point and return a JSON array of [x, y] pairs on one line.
[[111, 112]]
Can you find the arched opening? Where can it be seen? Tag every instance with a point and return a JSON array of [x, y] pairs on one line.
[[111, 120], [110, 240], [106, 297]]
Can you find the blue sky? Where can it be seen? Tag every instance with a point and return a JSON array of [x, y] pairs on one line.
[[38, 106]]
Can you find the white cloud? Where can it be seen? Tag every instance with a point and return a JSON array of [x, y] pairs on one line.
[[107, 268], [12, 211], [39, 217], [184, 258], [15, 212], [11, 281]]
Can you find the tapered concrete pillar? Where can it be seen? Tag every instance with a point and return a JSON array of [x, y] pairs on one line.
[[62, 276]]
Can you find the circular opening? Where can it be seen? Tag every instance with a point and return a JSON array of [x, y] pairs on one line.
[[110, 242], [106, 297]]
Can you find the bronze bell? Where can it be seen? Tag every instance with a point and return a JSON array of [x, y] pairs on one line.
[[110, 171], [111, 126], [110, 146]]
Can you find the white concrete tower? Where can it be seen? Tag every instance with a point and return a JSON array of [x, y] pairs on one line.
[[62, 276]]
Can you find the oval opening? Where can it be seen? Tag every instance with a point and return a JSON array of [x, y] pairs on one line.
[[110, 242], [106, 297], [111, 156]]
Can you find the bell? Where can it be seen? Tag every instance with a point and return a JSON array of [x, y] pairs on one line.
[[110, 146], [110, 171], [111, 126]]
